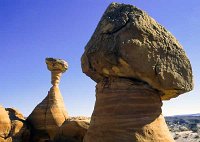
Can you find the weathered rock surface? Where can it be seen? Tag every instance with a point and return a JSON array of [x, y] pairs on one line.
[[12, 125], [136, 63], [129, 43], [51, 113], [5, 123], [18, 126], [73, 130], [127, 111]]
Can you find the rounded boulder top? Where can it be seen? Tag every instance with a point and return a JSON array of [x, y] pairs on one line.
[[55, 64], [129, 43]]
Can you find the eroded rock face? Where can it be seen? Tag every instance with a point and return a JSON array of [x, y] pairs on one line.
[[12, 125], [127, 111], [18, 125], [72, 130], [5, 123], [51, 113], [129, 43]]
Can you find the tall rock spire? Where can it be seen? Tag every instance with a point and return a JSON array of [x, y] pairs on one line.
[[50, 114]]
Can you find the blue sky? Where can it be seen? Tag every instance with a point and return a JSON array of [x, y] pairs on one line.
[[32, 30]]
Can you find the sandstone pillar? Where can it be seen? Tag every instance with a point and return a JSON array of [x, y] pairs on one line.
[[136, 64], [51, 113], [127, 111]]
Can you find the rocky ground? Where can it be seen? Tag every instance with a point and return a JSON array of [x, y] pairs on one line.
[[184, 128]]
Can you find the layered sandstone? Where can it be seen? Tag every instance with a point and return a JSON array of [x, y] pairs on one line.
[[136, 63], [51, 113], [127, 111]]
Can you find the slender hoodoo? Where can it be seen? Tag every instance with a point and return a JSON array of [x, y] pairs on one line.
[[136, 63], [50, 114]]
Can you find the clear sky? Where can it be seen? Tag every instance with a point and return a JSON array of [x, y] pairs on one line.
[[31, 30]]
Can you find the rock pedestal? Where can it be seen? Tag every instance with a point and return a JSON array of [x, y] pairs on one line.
[[50, 114], [127, 111], [55, 78], [136, 63]]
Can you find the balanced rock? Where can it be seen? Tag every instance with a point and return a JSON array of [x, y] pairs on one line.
[[136, 63], [50, 114], [128, 43]]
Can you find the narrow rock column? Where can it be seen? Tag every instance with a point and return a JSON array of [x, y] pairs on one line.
[[51, 113], [55, 77], [127, 111]]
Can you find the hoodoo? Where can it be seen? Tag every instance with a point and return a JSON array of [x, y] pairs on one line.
[[50, 114], [136, 64]]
